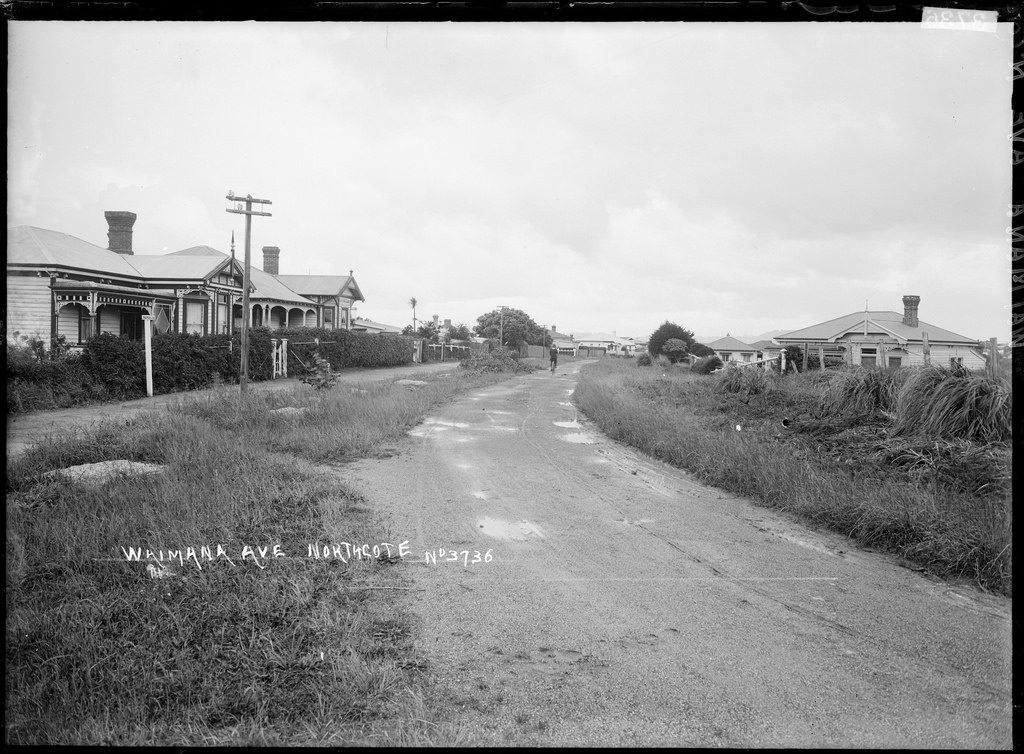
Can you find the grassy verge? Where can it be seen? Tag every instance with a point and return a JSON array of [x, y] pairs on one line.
[[943, 502], [222, 647]]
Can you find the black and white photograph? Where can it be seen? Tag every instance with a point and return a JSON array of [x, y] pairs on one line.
[[511, 381]]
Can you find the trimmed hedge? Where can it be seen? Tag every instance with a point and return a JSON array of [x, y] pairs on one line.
[[114, 368], [343, 349]]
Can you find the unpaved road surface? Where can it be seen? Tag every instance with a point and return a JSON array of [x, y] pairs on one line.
[[624, 604]]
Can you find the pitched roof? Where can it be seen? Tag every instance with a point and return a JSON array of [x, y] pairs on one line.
[[878, 322], [369, 324], [728, 343], [28, 245], [764, 345], [322, 285], [264, 284], [169, 266], [601, 337]]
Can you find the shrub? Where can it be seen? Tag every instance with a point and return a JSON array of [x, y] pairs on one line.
[[498, 360], [643, 360], [321, 376], [706, 365], [118, 363], [675, 349], [663, 361]]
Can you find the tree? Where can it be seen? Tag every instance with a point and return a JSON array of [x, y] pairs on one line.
[[514, 326], [700, 350], [667, 331], [427, 331], [412, 303], [675, 349], [459, 332]]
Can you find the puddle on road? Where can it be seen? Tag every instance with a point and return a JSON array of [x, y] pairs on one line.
[[568, 425], [581, 438], [436, 425], [481, 494], [517, 531]]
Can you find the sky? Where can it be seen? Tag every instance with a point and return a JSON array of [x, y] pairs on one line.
[[738, 178]]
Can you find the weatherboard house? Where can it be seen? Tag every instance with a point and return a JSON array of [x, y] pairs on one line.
[[886, 339], [59, 285]]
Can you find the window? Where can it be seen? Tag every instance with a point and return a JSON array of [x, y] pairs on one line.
[[956, 361], [222, 319], [746, 357], [726, 355], [894, 362], [868, 357], [329, 317], [162, 321], [86, 324], [195, 312], [131, 325]]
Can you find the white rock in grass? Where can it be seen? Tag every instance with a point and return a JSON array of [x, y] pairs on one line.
[[411, 383], [288, 411], [104, 470]]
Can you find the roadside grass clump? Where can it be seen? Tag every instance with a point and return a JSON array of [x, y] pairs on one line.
[[643, 360], [941, 503], [953, 403], [862, 391], [201, 649], [746, 380]]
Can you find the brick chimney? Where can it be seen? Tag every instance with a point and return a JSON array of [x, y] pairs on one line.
[[910, 310], [119, 231], [552, 328], [271, 257]]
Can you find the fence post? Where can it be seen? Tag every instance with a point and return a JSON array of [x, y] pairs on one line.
[[147, 322], [284, 357], [927, 349]]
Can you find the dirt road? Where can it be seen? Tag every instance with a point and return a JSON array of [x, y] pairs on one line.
[[624, 604]]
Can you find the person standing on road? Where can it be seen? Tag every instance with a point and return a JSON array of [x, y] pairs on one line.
[[554, 358]]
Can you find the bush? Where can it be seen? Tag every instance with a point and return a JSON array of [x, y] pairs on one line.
[[498, 360], [706, 365], [117, 363], [675, 349], [34, 385], [643, 360]]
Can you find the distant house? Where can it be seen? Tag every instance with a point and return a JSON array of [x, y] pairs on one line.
[[368, 325], [765, 349], [62, 286], [612, 344], [730, 349], [888, 339]]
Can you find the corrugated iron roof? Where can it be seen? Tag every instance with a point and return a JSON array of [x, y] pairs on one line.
[[728, 343], [878, 322]]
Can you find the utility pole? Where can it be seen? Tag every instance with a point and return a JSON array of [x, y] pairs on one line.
[[243, 371], [501, 326]]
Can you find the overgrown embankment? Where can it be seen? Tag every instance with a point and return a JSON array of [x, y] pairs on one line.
[[912, 461], [222, 645]]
